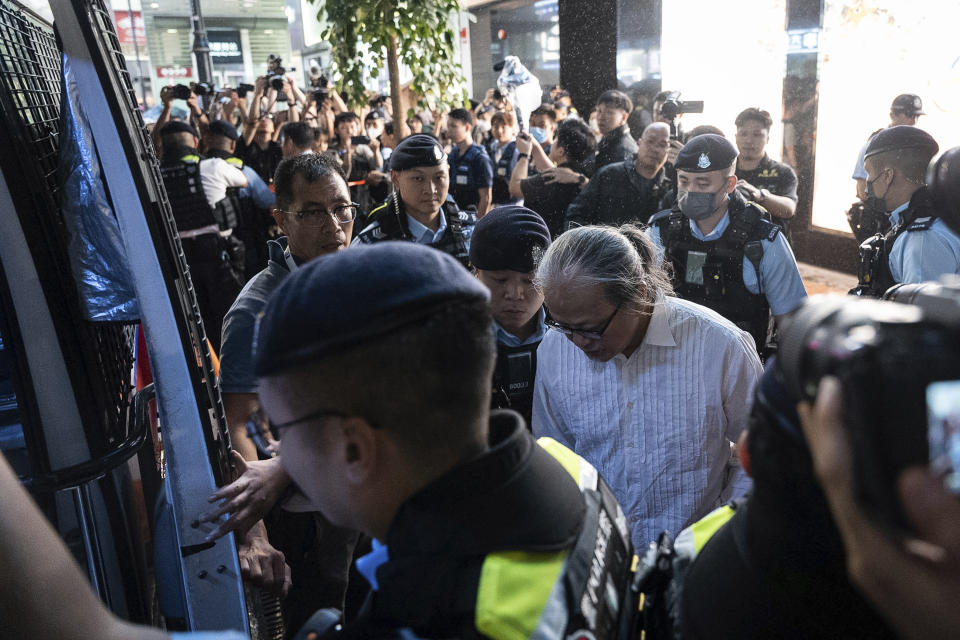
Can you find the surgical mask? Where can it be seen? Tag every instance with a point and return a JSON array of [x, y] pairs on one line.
[[373, 133], [539, 134], [874, 201], [483, 125], [698, 205]]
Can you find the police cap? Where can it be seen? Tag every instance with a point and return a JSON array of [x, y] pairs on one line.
[[344, 299], [225, 129], [419, 150], [707, 152], [902, 136], [510, 238], [908, 104], [177, 126]]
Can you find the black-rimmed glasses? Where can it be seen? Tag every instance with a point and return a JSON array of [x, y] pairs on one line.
[[589, 335]]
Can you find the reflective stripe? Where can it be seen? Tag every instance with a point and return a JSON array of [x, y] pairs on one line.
[[570, 461], [514, 589], [692, 539], [190, 159], [237, 162]]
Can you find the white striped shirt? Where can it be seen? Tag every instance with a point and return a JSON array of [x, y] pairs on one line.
[[658, 425]]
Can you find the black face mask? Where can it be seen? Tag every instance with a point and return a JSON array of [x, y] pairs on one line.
[[874, 201]]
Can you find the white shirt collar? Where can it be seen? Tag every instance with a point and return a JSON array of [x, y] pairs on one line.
[[658, 331]]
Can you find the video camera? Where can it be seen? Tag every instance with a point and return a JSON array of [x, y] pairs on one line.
[[673, 107], [898, 362], [322, 93]]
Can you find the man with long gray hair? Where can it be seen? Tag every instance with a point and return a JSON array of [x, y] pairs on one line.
[[652, 390]]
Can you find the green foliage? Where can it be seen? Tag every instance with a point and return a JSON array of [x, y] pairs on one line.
[[359, 33]]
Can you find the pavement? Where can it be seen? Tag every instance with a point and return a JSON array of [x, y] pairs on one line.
[[819, 280]]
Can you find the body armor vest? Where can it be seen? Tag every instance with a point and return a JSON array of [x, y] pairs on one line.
[[392, 219], [711, 273], [513, 379], [185, 192], [874, 268]]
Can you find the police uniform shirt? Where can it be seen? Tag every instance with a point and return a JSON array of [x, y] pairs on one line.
[[776, 177], [257, 190], [779, 276], [919, 256], [469, 172], [422, 234]]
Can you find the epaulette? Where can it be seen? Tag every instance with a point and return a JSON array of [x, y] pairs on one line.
[[921, 224]]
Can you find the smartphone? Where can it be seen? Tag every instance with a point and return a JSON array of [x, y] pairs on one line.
[[355, 140], [943, 431]]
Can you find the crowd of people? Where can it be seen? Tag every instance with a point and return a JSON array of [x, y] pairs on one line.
[[618, 285]]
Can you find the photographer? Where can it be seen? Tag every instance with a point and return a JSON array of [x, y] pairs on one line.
[[359, 155], [178, 92], [676, 137]]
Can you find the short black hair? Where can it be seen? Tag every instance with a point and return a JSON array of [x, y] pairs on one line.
[[576, 138], [415, 116], [300, 134], [560, 105], [753, 113], [663, 96], [616, 99], [452, 353], [462, 115], [546, 111], [312, 167], [388, 128], [345, 116], [700, 130]]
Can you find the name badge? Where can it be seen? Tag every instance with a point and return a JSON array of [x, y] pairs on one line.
[[695, 262], [462, 179]]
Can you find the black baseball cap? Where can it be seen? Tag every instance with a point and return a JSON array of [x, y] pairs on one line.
[[909, 104]]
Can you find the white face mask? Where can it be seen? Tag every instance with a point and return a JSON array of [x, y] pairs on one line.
[[373, 134], [483, 125]]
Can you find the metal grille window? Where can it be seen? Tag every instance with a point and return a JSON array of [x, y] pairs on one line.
[[100, 356]]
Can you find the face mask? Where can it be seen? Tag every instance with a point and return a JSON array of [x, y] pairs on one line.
[[483, 125], [373, 134], [698, 205], [539, 134], [878, 203]]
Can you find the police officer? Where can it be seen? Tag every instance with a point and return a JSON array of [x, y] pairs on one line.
[[503, 152], [253, 203], [724, 254], [471, 170], [205, 217], [918, 246], [506, 246], [760, 178], [419, 209], [374, 365]]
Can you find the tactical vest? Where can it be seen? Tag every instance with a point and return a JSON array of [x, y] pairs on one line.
[[582, 593], [463, 189], [711, 273], [392, 218], [185, 193], [873, 271], [501, 175], [513, 379]]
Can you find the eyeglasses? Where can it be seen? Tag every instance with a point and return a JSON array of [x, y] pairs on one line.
[[343, 214], [589, 335], [320, 413]]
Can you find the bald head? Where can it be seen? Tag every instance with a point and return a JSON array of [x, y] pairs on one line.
[[652, 149]]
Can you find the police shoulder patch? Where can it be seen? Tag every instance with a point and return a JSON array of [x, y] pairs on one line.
[[922, 224]]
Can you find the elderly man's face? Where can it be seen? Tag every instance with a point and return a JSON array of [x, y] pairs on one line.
[[653, 147], [308, 221], [595, 326]]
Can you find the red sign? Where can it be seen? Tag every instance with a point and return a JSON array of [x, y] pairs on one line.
[[174, 73], [130, 30]]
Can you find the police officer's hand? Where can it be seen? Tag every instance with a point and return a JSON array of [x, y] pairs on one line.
[[915, 584], [675, 146], [261, 564], [524, 142], [257, 486]]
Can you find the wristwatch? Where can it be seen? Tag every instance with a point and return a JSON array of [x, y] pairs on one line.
[[523, 155]]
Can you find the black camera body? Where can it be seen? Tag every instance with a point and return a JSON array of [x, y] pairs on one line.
[[673, 106], [203, 89], [182, 92], [887, 357], [243, 89]]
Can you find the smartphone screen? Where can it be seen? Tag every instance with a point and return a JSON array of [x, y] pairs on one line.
[[943, 431]]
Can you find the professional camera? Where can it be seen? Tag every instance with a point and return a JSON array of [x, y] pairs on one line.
[[276, 81], [378, 102], [182, 92], [243, 89], [203, 89], [322, 93], [899, 365], [673, 107]]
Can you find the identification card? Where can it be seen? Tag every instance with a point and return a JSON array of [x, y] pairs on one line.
[[462, 179]]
